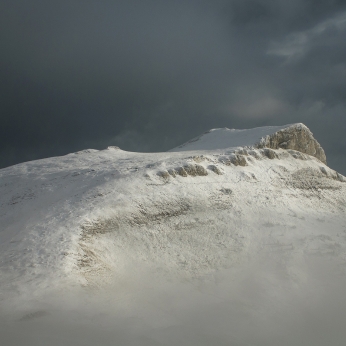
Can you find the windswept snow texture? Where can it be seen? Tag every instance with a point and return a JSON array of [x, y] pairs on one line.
[[242, 235]]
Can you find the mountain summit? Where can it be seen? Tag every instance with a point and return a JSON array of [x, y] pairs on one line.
[[295, 136]]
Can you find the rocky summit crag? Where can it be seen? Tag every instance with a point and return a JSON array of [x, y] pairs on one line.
[[297, 137]]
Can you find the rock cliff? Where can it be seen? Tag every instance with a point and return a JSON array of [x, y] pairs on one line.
[[297, 137]]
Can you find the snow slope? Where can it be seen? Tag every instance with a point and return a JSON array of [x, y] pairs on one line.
[[84, 219]]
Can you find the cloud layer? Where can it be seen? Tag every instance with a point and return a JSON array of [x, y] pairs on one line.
[[149, 76]]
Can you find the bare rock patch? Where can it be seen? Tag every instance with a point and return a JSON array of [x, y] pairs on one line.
[[195, 170], [238, 160], [270, 154], [163, 174], [215, 169], [181, 171]]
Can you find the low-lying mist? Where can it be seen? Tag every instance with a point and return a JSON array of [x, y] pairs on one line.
[[261, 302]]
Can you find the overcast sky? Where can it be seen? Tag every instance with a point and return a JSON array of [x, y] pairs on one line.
[[149, 75]]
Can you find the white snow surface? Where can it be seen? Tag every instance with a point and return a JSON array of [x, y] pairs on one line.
[[89, 218], [225, 138]]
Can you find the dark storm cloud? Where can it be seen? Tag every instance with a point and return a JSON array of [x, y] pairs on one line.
[[149, 75]]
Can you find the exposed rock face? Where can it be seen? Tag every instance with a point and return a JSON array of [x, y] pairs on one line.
[[181, 171], [164, 174], [270, 154], [195, 170], [215, 169], [297, 137], [238, 160]]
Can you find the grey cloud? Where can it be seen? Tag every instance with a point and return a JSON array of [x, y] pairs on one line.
[[148, 76], [296, 45]]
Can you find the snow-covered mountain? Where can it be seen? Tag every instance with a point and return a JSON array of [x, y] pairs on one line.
[[213, 203]]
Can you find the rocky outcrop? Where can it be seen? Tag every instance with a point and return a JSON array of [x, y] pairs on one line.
[[195, 170], [297, 137], [192, 170]]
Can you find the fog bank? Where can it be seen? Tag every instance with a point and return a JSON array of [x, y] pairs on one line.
[[260, 302]]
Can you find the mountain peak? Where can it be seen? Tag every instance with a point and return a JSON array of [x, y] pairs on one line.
[[293, 136]]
